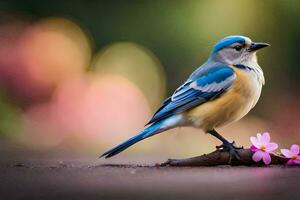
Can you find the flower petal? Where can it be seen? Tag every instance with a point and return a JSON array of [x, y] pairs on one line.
[[266, 158], [258, 135], [297, 160], [257, 156], [295, 149], [271, 147], [290, 162], [286, 153], [265, 138], [253, 148], [255, 142]]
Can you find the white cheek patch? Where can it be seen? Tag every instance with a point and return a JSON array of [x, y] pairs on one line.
[[223, 55], [248, 41], [214, 87]]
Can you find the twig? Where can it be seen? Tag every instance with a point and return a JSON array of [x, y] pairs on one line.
[[220, 157]]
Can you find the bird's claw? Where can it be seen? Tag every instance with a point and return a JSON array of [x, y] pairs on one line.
[[231, 149]]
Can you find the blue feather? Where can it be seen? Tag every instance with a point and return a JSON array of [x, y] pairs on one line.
[[216, 75], [187, 97], [149, 131], [227, 41]]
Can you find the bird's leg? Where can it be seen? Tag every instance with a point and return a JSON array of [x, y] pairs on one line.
[[226, 146]]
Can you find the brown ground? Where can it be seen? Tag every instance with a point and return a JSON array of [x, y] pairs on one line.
[[52, 176]]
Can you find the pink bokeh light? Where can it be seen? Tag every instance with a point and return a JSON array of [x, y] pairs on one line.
[[99, 110]]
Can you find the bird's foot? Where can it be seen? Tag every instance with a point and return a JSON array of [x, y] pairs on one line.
[[231, 149]]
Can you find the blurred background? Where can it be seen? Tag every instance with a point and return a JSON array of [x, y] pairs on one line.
[[82, 76]]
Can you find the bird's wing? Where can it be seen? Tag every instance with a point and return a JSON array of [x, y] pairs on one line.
[[205, 87]]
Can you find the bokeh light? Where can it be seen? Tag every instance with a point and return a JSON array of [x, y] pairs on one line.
[[53, 49], [137, 64], [92, 111]]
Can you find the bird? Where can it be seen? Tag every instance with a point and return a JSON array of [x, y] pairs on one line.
[[221, 91]]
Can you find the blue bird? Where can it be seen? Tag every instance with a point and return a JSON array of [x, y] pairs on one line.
[[222, 90]]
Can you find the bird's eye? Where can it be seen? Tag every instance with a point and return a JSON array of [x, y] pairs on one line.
[[238, 47]]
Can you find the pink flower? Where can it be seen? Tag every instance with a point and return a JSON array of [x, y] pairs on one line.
[[262, 147], [293, 154]]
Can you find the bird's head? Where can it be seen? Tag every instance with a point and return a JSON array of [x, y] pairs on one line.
[[236, 50]]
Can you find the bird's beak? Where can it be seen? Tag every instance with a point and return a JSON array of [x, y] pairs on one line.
[[257, 45]]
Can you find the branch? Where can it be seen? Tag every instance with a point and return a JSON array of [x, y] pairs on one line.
[[220, 157]]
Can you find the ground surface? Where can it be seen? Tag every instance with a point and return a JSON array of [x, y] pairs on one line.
[[40, 176]]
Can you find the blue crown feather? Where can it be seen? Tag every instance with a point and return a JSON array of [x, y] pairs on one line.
[[228, 41]]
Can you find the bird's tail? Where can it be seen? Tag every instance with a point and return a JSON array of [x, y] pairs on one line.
[[147, 132]]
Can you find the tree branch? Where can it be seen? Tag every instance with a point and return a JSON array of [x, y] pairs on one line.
[[220, 157]]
